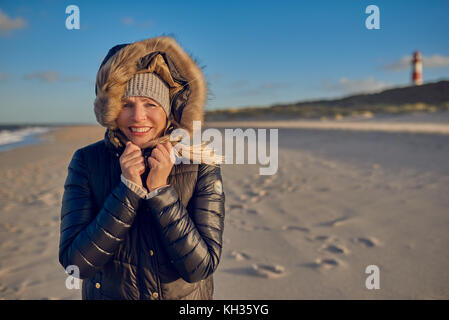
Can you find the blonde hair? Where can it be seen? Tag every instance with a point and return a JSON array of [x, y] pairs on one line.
[[198, 152]]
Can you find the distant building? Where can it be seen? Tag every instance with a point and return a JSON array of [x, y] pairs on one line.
[[417, 68]]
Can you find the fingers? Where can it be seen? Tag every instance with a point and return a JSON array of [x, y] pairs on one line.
[[167, 146], [152, 163], [137, 169], [141, 169], [136, 165], [131, 151], [134, 161], [131, 156], [170, 151], [131, 160], [158, 155], [130, 147], [163, 152]]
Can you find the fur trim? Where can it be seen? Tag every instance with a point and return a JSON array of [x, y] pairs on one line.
[[120, 67]]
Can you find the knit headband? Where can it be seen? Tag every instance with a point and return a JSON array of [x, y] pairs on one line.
[[149, 85]]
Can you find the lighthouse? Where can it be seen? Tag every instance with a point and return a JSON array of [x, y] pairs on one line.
[[417, 68]]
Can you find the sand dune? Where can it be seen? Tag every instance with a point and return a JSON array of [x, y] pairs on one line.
[[435, 128], [430, 123]]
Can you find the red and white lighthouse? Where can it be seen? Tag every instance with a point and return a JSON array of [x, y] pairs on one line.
[[417, 68]]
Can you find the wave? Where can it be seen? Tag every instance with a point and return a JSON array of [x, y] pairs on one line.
[[14, 136]]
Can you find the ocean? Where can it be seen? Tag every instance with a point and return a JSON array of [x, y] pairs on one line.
[[17, 135]]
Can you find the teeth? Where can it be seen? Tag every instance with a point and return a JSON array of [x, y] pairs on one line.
[[140, 129]]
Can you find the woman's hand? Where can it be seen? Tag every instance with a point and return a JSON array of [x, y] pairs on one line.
[[132, 163], [160, 163]]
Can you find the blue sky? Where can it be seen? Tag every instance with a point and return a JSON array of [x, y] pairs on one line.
[[254, 52]]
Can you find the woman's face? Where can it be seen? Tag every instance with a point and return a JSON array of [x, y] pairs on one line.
[[141, 119]]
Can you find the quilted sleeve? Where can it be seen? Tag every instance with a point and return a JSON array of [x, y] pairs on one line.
[[88, 237], [192, 236]]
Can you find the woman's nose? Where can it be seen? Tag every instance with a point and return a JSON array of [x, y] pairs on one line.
[[139, 113]]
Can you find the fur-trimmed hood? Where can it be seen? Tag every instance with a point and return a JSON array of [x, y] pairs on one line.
[[164, 56]]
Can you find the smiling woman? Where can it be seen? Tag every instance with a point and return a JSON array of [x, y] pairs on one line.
[[134, 224], [141, 119]]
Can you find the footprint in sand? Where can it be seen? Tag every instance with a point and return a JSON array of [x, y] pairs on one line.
[[268, 181], [295, 228], [335, 249], [335, 223], [326, 263], [367, 242], [236, 206], [264, 228], [268, 271], [48, 198], [254, 199], [240, 256], [282, 211], [262, 193], [256, 193], [323, 189], [246, 228], [10, 228], [243, 197], [321, 238], [252, 211], [241, 225]]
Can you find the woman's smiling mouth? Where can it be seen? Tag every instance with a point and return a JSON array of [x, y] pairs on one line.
[[139, 131]]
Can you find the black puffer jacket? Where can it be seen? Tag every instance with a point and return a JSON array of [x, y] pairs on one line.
[[126, 247]]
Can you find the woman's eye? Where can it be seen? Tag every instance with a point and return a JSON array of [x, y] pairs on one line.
[[127, 105], [149, 105]]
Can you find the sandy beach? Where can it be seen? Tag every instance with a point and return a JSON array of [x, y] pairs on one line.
[[343, 198]]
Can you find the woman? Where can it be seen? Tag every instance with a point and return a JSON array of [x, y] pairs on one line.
[[137, 226]]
